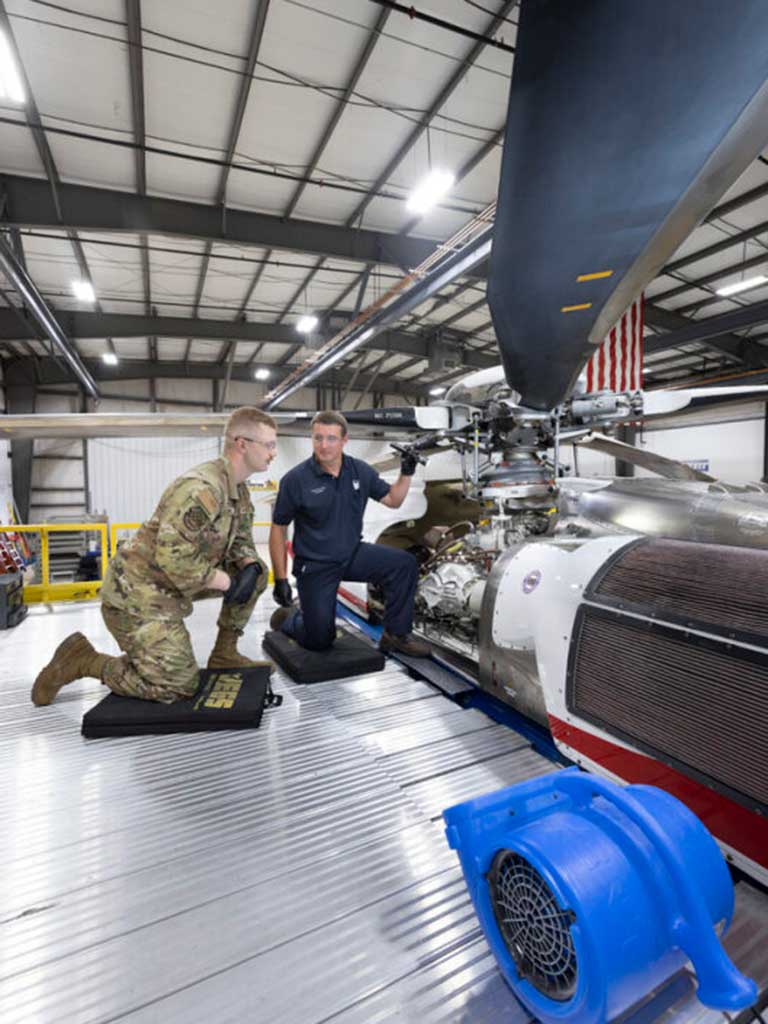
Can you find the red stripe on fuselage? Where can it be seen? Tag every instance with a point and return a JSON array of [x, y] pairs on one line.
[[353, 598], [744, 830]]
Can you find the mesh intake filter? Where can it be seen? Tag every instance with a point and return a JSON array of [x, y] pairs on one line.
[[536, 930], [717, 588], [696, 703]]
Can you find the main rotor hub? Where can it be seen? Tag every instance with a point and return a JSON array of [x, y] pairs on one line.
[[521, 481]]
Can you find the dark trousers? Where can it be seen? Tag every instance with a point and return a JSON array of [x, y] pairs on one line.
[[395, 571]]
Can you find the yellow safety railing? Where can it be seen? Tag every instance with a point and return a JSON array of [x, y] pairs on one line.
[[45, 590]]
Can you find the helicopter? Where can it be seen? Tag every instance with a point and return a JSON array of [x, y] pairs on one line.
[[641, 643], [626, 617]]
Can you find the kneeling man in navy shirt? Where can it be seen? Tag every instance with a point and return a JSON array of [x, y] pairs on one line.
[[325, 499]]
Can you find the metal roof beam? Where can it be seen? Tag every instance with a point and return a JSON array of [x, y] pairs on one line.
[[257, 34], [83, 324], [50, 372], [330, 127], [715, 331], [481, 271], [87, 208], [37, 306], [458, 76], [707, 279], [136, 68], [53, 192], [422, 126], [713, 250]]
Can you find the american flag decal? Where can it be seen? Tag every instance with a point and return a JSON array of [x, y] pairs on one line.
[[618, 363]]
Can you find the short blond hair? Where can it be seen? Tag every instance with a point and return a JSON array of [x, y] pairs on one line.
[[243, 418]]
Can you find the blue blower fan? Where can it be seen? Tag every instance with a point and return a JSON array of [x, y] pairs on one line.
[[592, 894]]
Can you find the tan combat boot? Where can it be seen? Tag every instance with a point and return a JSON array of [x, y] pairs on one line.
[[225, 654], [74, 658]]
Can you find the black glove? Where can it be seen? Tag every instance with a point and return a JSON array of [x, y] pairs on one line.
[[282, 593], [408, 464], [242, 586]]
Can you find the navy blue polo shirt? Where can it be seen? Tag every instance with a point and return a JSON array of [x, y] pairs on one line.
[[327, 510]]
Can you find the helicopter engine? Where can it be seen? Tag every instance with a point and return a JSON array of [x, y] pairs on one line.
[[516, 497]]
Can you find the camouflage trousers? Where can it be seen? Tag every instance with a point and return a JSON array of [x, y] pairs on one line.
[[158, 662]]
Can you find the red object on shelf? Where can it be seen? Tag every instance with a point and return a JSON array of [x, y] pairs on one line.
[[10, 559]]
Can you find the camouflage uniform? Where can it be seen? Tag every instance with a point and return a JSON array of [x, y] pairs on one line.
[[203, 522]]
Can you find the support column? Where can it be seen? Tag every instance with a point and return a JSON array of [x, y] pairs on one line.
[[20, 393]]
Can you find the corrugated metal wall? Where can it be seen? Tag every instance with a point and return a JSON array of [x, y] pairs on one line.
[[127, 476]]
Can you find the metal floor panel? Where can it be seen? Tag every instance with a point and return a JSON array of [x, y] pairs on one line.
[[327, 970], [405, 714], [344, 699], [291, 874], [447, 755], [410, 735], [432, 796]]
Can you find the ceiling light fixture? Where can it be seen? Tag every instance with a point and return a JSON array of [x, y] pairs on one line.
[[10, 79], [306, 324], [742, 286], [110, 358], [430, 191], [84, 291], [261, 374], [437, 391]]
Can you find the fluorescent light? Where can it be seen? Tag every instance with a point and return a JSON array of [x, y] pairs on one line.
[[307, 324], [436, 391], [430, 190], [261, 374], [110, 358], [742, 286], [10, 80], [84, 291], [365, 335]]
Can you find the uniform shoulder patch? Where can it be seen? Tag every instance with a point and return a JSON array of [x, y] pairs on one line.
[[195, 518], [208, 500]]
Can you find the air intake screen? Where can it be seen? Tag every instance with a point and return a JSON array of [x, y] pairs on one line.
[[715, 588], [700, 705], [536, 930]]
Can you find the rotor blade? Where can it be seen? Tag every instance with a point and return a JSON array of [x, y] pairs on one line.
[[406, 417], [120, 424], [610, 160], [669, 468], [661, 403]]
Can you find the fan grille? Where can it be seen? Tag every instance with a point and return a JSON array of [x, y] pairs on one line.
[[536, 930]]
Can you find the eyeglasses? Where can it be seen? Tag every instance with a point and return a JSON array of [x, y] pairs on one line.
[[319, 438], [271, 446]]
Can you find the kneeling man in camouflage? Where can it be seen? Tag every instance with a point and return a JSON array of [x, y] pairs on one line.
[[198, 543]]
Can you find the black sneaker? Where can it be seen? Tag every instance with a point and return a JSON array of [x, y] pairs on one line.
[[405, 644], [279, 615]]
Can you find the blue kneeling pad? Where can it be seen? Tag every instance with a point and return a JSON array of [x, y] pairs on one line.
[[350, 655], [225, 699]]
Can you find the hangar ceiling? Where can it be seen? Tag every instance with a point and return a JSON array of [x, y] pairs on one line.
[[216, 177]]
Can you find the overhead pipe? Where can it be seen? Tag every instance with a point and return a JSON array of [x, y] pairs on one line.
[[37, 305], [437, 277]]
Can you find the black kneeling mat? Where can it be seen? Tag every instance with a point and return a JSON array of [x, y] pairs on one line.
[[349, 656], [225, 699]]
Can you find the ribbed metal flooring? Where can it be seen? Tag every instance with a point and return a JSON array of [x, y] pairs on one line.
[[296, 874]]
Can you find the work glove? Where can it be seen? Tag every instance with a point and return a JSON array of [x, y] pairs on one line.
[[282, 593], [408, 464], [242, 586]]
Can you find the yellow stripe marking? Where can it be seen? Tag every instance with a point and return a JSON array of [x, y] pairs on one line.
[[573, 309], [594, 277]]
